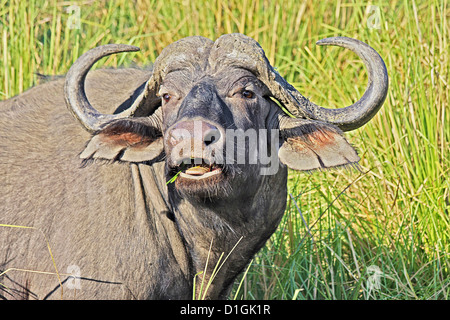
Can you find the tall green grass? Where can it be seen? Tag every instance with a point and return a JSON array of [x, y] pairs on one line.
[[382, 233]]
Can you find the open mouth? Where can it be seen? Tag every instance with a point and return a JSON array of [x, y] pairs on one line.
[[198, 169]]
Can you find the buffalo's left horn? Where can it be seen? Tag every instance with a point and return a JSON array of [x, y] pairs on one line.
[[360, 112], [246, 53], [75, 94]]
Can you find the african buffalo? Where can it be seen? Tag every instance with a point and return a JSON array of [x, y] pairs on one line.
[[149, 192]]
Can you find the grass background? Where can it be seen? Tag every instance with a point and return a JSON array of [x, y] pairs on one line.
[[382, 233]]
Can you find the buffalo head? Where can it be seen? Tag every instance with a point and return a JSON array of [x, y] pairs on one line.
[[211, 110]]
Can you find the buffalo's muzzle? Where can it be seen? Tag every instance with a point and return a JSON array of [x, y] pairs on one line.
[[191, 148]]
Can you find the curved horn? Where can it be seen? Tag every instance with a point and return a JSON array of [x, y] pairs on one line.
[[75, 94], [359, 113], [241, 51]]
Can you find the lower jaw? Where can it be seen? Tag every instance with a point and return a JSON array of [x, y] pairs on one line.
[[210, 186]]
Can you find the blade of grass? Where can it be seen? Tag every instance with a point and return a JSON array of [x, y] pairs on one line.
[[48, 247]]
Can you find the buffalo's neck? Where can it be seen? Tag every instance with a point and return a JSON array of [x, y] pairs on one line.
[[203, 235], [226, 233], [155, 225]]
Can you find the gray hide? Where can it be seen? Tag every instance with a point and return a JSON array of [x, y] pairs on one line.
[[96, 194]]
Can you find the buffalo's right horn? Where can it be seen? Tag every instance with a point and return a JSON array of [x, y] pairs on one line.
[[75, 94]]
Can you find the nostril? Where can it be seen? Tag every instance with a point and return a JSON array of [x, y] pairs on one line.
[[173, 140], [210, 136], [210, 140], [178, 134], [191, 131]]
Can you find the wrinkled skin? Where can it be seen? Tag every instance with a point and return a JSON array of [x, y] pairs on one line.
[[112, 215]]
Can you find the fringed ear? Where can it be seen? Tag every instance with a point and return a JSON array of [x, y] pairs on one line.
[[129, 140], [310, 145]]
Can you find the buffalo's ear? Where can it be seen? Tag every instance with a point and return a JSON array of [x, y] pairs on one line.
[[308, 145], [130, 140]]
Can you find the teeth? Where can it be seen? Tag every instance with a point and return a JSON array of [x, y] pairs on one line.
[[197, 171], [199, 177]]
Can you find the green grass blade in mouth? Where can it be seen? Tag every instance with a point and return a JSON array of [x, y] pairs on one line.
[[173, 178]]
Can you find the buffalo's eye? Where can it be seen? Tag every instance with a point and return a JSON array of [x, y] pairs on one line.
[[166, 97], [247, 94]]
